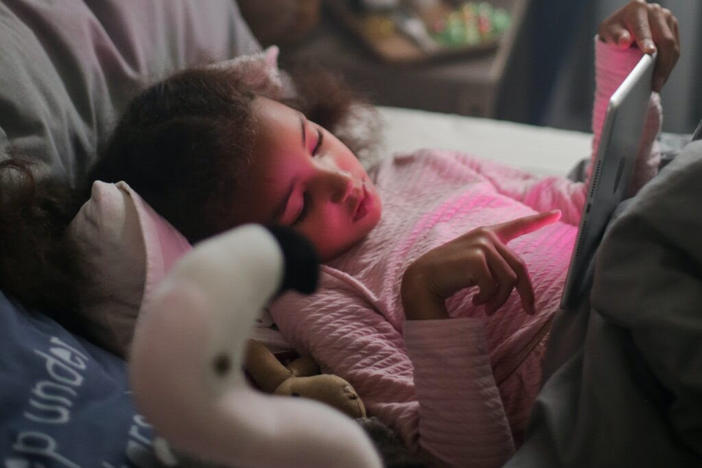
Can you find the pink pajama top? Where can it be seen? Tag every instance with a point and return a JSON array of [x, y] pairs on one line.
[[459, 390]]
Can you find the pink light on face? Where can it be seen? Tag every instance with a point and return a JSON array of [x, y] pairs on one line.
[[308, 179]]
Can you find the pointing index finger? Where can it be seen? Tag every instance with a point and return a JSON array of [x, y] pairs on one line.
[[518, 227]]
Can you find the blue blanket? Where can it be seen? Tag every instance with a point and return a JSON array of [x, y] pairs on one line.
[[64, 402]]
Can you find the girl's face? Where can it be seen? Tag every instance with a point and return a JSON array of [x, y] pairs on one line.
[[304, 177]]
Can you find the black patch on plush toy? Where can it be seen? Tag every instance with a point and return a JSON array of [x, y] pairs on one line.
[[301, 271], [222, 364]]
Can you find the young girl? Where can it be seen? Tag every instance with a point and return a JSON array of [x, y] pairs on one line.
[[209, 151], [459, 390]]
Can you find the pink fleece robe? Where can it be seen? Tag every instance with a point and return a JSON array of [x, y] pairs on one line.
[[461, 389]]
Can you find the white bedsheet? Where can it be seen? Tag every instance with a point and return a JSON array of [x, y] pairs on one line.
[[540, 150]]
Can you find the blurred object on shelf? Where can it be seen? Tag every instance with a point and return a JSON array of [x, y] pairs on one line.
[[378, 27], [470, 24], [410, 31], [370, 5], [414, 27]]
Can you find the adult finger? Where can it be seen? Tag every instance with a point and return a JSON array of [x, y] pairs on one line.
[[639, 26], [524, 286], [668, 50], [520, 226], [673, 25], [615, 33]]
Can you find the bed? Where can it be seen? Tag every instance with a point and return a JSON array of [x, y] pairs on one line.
[[67, 69], [540, 150]]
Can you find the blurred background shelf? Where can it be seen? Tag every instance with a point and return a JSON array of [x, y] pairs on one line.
[[433, 29], [465, 84], [541, 72]]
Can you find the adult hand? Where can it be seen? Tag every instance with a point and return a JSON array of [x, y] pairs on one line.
[[479, 258], [652, 28]]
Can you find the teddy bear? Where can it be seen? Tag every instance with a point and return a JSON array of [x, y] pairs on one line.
[[300, 377]]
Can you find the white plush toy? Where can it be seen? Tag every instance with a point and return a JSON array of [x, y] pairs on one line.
[[186, 361]]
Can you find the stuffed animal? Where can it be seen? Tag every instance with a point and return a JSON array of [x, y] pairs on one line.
[[300, 378], [189, 348]]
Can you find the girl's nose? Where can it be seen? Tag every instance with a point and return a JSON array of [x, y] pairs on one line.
[[336, 183]]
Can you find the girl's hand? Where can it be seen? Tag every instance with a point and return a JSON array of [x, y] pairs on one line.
[[478, 258], [650, 26]]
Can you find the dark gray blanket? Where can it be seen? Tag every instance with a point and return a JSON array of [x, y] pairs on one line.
[[69, 67], [624, 369]]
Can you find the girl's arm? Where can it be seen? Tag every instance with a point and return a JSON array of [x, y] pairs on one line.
[[461, 415], [462, 421], [435, 387]]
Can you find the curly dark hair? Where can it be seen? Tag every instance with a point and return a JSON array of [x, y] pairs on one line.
[[182, 144], [179, 145], [39, 264]]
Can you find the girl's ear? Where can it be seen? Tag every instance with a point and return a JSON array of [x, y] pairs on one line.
[[260, 72]]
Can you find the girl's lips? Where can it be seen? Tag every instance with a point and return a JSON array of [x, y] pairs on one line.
[[362, 208]]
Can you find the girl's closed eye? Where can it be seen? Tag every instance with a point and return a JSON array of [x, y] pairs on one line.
[[318, 143]]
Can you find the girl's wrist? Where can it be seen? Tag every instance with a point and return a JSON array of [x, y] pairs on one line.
[[418, 301]]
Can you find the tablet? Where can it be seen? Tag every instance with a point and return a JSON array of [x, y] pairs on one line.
[[614, 164], [697, 134]]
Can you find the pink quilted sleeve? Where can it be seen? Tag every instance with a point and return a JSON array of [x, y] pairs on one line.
[[348, 336], [538, 192], [435, 387], [461, 418]]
